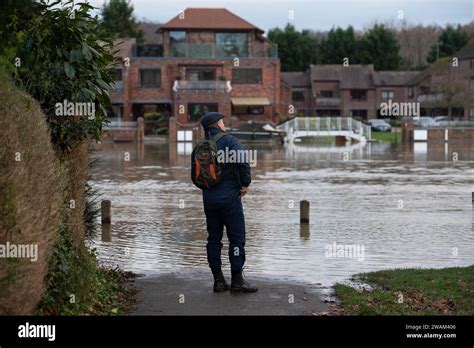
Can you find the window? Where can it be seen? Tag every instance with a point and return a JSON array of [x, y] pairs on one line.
[[472, 66], [471, 85], [177, 43], [150, 78], [326, 94], [117, 74], [297, 96], [201, 74], [358, 95], [471, 114], [246, 76], [115, 111], [249, 110], [196, 110], [388, 94], [410, 92], [231, 44]]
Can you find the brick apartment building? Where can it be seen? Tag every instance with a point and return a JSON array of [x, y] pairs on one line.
[[208, 60], [444, 88]]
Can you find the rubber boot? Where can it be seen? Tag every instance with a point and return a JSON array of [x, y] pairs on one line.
[[240, 284], [220, 284]]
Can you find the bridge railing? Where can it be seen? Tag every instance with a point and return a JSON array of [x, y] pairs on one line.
[[327, 124]]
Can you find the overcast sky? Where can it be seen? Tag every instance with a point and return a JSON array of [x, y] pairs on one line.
[[317, 14]]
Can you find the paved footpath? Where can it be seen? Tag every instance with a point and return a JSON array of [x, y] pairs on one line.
[[165, 294]]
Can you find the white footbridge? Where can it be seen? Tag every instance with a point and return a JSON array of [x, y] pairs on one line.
[[304, 127]]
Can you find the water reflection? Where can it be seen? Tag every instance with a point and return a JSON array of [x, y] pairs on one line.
[[407, 207]]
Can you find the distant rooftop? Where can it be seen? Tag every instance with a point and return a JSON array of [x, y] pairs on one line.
[[467, 51], [296, 79], [352, 76], [208, 18], [393, 78]]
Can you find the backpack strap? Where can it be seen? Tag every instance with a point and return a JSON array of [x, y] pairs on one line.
[[218, 136]]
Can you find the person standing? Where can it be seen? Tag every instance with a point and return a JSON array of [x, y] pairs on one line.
[[224, 185]]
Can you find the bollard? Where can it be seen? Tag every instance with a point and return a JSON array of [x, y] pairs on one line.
[[106, 233], [304, 231], [140, 130], [304, 212], [106, 211]]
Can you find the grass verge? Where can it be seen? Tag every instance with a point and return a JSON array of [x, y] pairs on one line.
[[447, 291], [387, 136]]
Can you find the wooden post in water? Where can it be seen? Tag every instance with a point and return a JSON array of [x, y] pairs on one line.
[[106, 211], [140, 130], [304, 212]]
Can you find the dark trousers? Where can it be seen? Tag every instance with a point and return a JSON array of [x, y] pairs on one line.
[[231, 215]]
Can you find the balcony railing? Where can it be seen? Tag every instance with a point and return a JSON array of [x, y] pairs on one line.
[[187, 85], [328, 101], [189, 50]]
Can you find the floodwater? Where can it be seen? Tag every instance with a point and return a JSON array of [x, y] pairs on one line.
[[394, 208]]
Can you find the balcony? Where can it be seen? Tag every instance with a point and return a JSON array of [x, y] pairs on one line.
[[188, 50], [196, 86], [325, 101]]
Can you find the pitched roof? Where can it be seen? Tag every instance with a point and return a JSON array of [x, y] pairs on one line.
[[124, 47], [151, 35], [296, 79], [208, 18], [467, 51], [439, 67], [393, 78], [352, 76]]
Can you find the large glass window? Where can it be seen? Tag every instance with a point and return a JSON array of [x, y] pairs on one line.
[[150, 78], [178, 43], [246, 75], [231, 44]]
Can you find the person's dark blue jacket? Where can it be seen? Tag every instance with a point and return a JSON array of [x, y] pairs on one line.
[[234, 178]]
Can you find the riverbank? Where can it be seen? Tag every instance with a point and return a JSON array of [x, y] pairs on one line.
[[446, 291], [191, 294]]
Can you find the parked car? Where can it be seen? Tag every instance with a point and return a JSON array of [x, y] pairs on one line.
[[444, 121], [424, 122], [438, 119], [378, 125]]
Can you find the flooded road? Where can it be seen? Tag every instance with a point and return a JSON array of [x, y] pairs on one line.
[[400, 209]]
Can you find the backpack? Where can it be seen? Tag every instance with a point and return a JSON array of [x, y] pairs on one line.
[[206, 171]]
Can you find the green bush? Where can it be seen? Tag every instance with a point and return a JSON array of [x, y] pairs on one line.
[[61, 53], [152, 116]]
